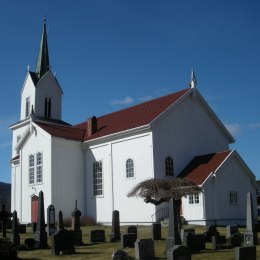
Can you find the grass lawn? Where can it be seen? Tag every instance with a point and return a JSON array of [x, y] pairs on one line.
[[103, 251]]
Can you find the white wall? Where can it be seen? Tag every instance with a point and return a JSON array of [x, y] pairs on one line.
[[184, 131]]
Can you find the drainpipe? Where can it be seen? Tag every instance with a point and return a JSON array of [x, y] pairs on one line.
[[112, 180]]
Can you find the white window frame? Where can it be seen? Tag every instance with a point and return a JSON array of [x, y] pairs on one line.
[[31, 169], [35, 168], [169, 167], [27, 107], [129, 168], [194, 199], [233, 198], [98, 178], [38, 167]]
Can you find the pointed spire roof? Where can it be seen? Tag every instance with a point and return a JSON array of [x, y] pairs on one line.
[[193, 81], [43, 64]]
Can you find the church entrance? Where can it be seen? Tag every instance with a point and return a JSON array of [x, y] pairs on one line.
[[34, 208]]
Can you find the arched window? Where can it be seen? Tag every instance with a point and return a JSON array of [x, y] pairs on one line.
[[169, 166], [129, 168], [47, 110]]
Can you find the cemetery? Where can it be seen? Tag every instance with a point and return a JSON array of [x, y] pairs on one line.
[[167, 240]]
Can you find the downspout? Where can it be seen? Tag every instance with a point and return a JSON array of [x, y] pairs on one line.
[[112, 177], [21, 216], [204, 207], [85, 178], [52, 172]]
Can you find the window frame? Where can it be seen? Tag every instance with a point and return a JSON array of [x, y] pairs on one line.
[[233, 198], [27, 107], [31, 169], [39, 166], [169, 166], [35, 168], [129, 168], [47, 107], [97, 171], [194, 199]]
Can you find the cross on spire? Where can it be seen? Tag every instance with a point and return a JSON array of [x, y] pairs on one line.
[[43, 64]]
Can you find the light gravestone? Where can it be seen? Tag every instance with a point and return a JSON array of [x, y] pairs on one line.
[[60, 221], [4, 216], [144, 249], [75, 226], [51, 220], [250, 236], [15, 238], [246, 253], [115, 235], [40, 233]]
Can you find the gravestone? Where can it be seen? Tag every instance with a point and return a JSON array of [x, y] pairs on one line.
[[21, 228], [4, 217], [179, 253], [245, 253], [257, 227], [51, 220], [60, 221], [194, 242], [156, 231], [128, 240], [144, 249], [217, 241], [210, 232], [15, 238], [97, 235], [250, 236], [234, 240], [115, 235], [132, 229], [40, 233], [232, 229], [119, 255], [62, 242], [75, 226], [187, 231], [173, 227]]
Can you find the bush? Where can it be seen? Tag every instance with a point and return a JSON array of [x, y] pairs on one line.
[[7, 249]]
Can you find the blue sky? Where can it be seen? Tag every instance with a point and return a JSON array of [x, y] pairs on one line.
[[111, 54]]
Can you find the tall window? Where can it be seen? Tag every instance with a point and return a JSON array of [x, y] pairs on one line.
[[97, 179], [17, 140], [35, 167], [27, 107], [31, 169], [39, 167], [47, 109], [194, 199], [233, 198], [129, 168], [169, 166]]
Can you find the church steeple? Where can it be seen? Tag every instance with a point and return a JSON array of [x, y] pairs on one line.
[[43, 64]]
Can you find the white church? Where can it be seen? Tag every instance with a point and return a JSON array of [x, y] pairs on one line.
[[97, 162]]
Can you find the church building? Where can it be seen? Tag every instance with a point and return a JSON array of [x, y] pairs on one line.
[[97, 162]]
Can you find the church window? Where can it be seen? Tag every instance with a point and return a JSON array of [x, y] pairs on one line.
[[27, 107], [17, 140], [129, 168], [31, 169], [97, 178], [233, 198], [169, 166], [47, 109], [194, 199], [39, 167]]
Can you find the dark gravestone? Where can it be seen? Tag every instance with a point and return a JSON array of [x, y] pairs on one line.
[[60, 221], [257, 227], [174, 237], [232, 229], [97, 235], [15, 238], [217, 241], [115, 235], [41, 234], [4, 217], [51, 220], [187, 231], [119, 255], [21, 228], [250, 236], [144, 249], [234, 240], [246, 253], [179, 253], [75, 226], [156, 231], [128, 240], [194, 242], [62, 243], [210, 232], [132, 229], [34, 227]]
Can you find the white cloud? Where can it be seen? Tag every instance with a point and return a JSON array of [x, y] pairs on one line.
[[253, 126], [234, 128], [4, 145], [123, 102], [145, 98]]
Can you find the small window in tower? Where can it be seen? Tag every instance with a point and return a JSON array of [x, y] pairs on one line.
[[27, 107], [47, 109]]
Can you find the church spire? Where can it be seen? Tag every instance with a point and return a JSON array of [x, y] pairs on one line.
[[43, 64], [193, 81]]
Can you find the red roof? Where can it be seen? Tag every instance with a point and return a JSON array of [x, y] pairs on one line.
[[202, 166], [136, 116]]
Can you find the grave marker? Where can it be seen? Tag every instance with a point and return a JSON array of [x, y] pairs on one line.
[[144, 249], [75, 226], [15, 238], [115, 235], [246, 252], [179, 253], [51, 220], [4, 216], [156, 231]]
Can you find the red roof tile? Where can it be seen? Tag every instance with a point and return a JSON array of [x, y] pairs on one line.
[[136, 116], [201, 166]]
